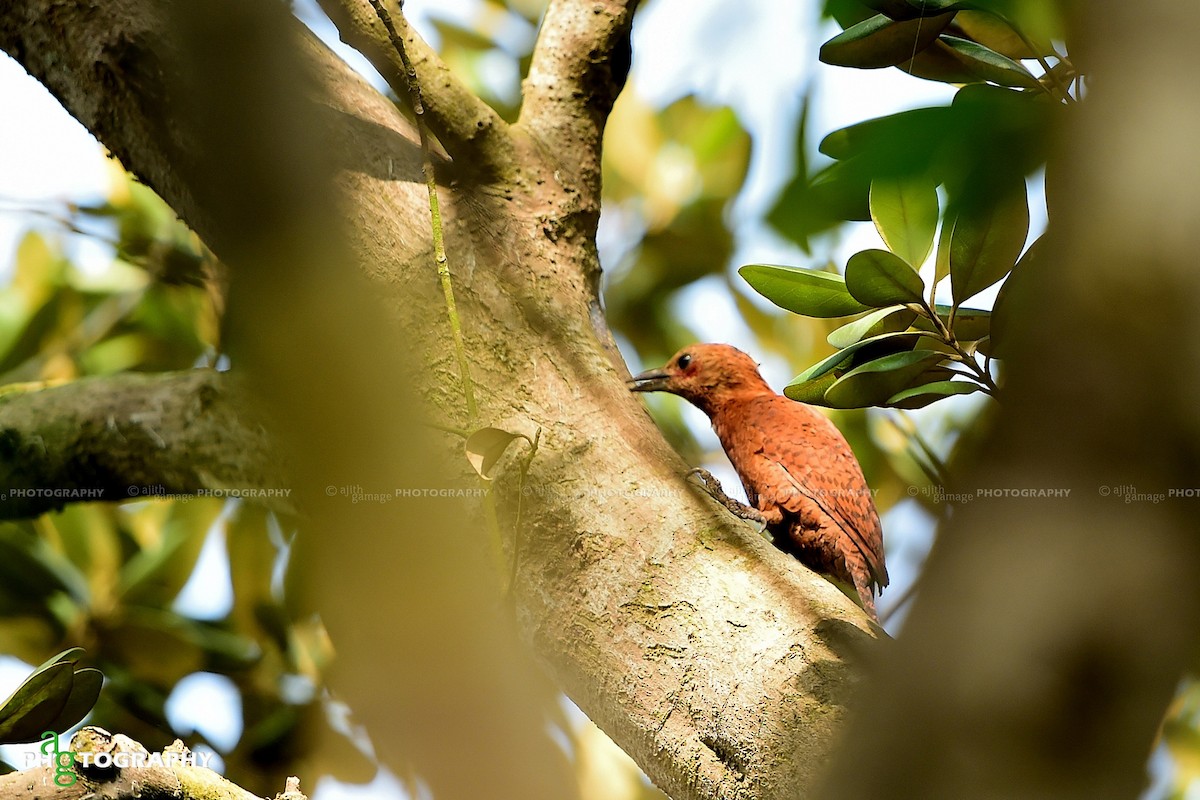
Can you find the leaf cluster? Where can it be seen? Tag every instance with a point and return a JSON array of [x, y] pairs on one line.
[[54, 697], [948, 181]]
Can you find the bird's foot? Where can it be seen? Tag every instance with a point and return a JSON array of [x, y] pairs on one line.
[[740, 509]]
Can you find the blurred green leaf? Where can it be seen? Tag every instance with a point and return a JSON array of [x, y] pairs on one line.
[[907, 9], [453, 33], [988, 235], [882, 42], [153, 646], [879, 278], [875, 382], [154, 576], [985, 136], [885, 320], [921, 396], [809, 206], [905, 212], [159, 646], [253, 559], [1014, 300], [802, 291], [930, 7], [86, 534], [994, 33], [30, 572], [990, 65]]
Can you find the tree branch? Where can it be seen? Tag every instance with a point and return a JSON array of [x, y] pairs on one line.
[[720, 664], [471, 131], [578, 69], [119, 768], [127, 436]]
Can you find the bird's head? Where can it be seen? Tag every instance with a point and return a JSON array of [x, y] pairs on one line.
[[706, 375]]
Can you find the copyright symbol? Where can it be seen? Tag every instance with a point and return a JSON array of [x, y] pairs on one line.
[[1105, 491], [330, 491], [132, 491], [913, 491]]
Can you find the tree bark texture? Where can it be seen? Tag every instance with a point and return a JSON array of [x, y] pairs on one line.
[[721, 665], [129, 436]]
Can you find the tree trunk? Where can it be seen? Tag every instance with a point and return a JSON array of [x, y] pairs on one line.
[[721, 665]]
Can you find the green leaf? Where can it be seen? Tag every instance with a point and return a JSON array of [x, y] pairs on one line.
[[1014, 300], [970, 324], [802, 291], [155, 575], [885, 320], [484, 448], [921, 396], [939, 62], [70, 655], [941, 266], [990, 65], [907, 9], [892, 137], [882, 42], [30, 571], [992, 31], [810, 391], [905, 212], [807, 206], [85, 691], [929, 7], [835, 360], [879, 278], [987, 238], [36, 703], [54, 697], [875, 382]]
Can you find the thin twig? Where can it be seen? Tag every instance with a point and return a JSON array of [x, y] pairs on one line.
[[1063, 91], [435, 213], [945, 330], [525, 464]]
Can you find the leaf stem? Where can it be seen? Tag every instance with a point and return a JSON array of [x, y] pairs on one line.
[[1064, 93], [946, 332]]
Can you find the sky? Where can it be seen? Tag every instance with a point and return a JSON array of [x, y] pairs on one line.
[[751, 55]]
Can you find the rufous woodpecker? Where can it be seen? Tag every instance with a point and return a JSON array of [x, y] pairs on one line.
[[800, 475]]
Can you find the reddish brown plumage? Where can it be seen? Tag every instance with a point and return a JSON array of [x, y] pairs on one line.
[[797, 469]]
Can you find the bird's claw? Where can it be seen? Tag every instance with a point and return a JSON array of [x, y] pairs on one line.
[[739, 509]]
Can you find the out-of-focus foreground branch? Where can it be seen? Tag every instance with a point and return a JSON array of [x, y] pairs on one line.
[[1051, 633]]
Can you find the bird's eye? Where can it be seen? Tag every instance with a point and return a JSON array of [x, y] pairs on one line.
[[684, 360]]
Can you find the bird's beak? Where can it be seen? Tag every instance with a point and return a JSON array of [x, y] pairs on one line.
[[652, 380]]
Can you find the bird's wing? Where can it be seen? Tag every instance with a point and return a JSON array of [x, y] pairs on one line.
[[798, 453]]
